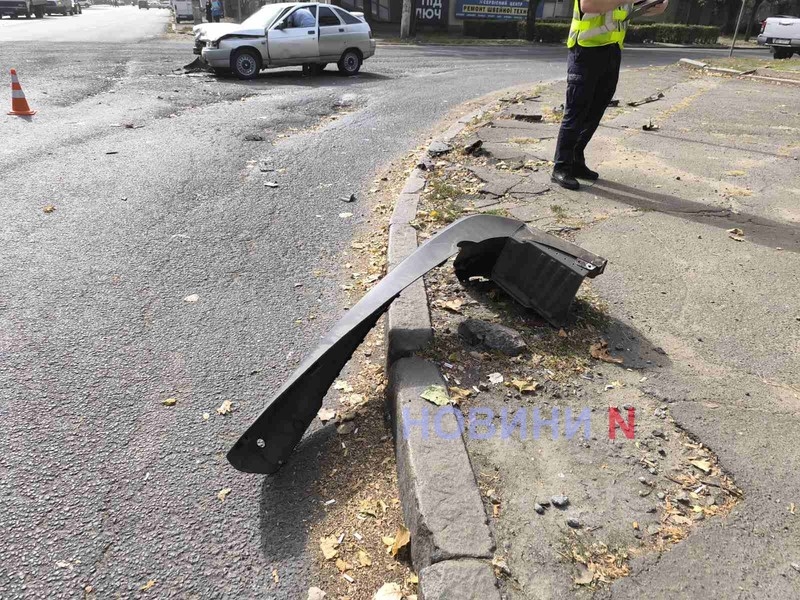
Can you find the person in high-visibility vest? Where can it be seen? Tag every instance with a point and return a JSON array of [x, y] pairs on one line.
[[595, 49]]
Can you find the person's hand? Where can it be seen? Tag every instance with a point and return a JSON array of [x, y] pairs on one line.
[[658, 9]]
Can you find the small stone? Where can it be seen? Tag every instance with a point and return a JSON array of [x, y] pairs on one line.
[[652, 471], [642, 479], [493, 336], [619, 347], [662, 452], [559, 501], [251, 137], [653, 529], [645, 493], [628, 406], [659, 434], [574, 523], [652, 510], [682, 497], [351, 198], [539, 509], [661, 495]]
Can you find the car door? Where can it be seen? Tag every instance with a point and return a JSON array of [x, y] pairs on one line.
[[332, 34], [293, 45]]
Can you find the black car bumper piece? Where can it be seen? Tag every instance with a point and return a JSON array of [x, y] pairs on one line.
[[538, 270]]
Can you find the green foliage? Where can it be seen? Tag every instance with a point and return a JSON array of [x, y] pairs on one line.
[[555, 32]]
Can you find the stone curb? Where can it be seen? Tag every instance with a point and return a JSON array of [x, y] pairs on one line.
[[701, 66], [451, 542]]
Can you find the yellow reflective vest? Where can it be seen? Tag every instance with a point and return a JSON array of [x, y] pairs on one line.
[[598, 29]]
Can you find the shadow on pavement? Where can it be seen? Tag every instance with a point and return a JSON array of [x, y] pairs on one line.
[[295, 77], [288, 500], [766, 232]]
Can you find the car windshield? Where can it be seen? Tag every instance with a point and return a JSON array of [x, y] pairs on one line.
[[263, 17]]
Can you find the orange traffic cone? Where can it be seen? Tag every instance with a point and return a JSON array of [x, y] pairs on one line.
[[19, 106]]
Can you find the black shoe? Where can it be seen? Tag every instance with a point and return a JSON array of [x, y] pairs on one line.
[[584, 172], [564, 179]]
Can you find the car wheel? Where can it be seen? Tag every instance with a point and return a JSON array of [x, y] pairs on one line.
[[246, 64], [780, 53], [350, 62]]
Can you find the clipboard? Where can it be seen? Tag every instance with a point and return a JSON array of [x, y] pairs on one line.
[[642, 6]]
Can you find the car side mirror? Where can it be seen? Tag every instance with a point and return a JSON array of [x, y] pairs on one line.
[[281, 25]]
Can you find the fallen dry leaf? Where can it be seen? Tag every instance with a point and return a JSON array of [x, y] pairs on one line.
[[458, 394], [412, 579], [169, 402], [223, 493], [342, 565], [148, 585], [326, 414], [328, 546], [600, 352], [48, 209], [364, 559], [275, 577], [401, 539], [736, 231], [524, 387], [703, 465], [389, 591], [368, 507], [342, 386], [225, 408], [436, 394], [388, 540], [453, 305]]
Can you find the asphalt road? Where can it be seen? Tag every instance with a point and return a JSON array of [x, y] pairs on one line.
[[100, 484], [101, 23]]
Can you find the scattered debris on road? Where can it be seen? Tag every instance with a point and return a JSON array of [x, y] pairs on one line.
[[647, 100], [649, 126]]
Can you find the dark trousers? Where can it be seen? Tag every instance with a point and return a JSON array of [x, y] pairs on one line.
[[592, 75]]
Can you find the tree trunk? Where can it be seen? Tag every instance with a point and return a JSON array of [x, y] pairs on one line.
[[405, 19], [752, 19], [530, 20]]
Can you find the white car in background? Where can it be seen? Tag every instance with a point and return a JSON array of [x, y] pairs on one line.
[[269, 39], [782, 34]]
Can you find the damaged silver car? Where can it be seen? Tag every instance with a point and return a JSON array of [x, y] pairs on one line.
[[280, 35]]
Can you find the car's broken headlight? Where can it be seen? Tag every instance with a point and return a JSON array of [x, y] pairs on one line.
[[211, 44]]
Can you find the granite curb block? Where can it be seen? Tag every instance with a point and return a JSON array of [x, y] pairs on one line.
[[466, 579], [442, 506], [451, 542], [705, 67]]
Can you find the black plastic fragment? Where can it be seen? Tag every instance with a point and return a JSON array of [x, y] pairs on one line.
[[540, 271]]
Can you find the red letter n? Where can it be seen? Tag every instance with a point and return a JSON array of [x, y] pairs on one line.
[[615, 420]]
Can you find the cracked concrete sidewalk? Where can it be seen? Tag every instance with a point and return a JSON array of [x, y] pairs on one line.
[[706, 320]]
